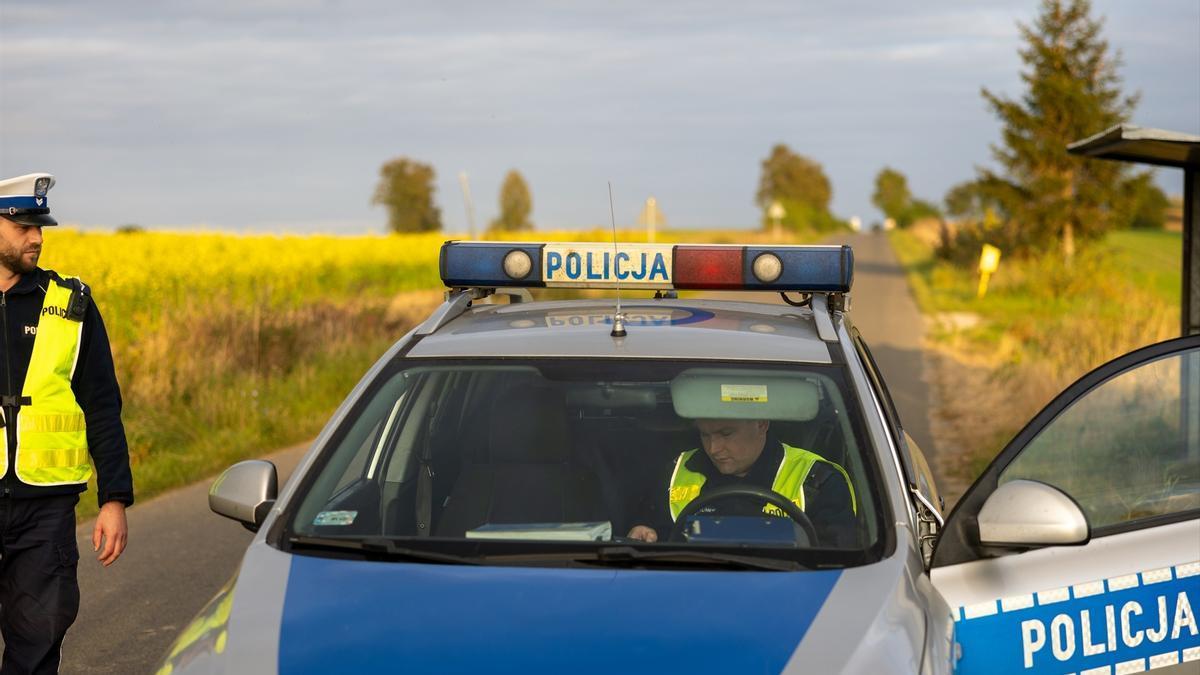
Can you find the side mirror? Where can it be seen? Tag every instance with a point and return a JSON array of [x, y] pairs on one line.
[[245, 492], [1026, 513]]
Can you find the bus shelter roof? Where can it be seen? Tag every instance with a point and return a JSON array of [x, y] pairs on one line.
[[1138, 144]]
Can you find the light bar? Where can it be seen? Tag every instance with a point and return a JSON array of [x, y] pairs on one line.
[[481, 264], [647, 266]]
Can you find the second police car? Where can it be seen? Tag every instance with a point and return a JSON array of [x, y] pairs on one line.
[[702, 485]]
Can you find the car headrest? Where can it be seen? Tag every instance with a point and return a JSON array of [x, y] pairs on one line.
[[529, 426]]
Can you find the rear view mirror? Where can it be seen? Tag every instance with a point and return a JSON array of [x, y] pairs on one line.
[[1026, 513], [245, 492]]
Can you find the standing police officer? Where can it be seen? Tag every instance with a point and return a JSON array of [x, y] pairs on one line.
[[60, 404]]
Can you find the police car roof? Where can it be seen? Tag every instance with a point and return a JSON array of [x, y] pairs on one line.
[[676, 329]]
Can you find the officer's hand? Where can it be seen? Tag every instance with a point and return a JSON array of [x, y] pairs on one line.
[[643, 533], [111, 527]]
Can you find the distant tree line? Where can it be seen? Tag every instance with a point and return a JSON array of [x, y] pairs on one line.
[[897, 202], [406, 188], [1036, 198]]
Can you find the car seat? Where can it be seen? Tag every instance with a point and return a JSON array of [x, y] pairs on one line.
[[527, 473]]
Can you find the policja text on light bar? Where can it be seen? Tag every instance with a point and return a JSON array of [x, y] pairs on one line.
[[814, 269]]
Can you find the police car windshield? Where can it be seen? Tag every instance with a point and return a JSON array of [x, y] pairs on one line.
[[595, 452]]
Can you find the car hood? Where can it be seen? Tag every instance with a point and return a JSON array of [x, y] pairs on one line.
[[336, 615]]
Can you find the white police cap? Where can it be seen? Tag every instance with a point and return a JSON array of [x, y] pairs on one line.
[[23, 199]]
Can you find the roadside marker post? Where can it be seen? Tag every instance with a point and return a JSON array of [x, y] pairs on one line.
[[989, 262], [649, 218]]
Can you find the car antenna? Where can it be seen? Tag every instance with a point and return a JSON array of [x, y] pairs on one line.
[[618, 329]]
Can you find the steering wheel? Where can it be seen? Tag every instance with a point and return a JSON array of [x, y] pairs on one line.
[[744, 491]]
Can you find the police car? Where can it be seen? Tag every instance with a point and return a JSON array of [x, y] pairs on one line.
[[481, 500]]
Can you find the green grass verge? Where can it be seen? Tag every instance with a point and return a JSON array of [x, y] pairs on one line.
[[256, 417], [1042, 324], [1151, 260], [1106, 283]]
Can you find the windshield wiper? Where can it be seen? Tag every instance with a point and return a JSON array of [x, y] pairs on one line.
[[615, 556], [628, 556], [388, 547], [737, 561]]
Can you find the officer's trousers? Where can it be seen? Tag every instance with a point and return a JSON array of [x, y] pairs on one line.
[[39, 589]]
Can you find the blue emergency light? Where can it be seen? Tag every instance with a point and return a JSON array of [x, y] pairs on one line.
[[823, 269]]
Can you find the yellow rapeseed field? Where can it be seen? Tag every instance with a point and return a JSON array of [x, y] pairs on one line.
[[132, 273], [132, 270]]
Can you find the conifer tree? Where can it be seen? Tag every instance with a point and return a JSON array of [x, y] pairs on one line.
[[516, 203], [1072, 91]]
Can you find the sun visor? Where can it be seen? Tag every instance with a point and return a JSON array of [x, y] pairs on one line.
[[713, 393]]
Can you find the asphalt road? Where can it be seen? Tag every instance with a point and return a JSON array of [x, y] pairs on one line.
[[180, 553], [883, 309]]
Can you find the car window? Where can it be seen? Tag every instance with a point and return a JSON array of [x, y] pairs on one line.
[[587, 450], [915, 466], [1122, 450], [362, 435], [354, 471]]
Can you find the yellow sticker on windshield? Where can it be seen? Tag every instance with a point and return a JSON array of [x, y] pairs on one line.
[[744, 393]]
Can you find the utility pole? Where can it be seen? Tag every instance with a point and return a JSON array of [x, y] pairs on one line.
[[651, 218], [466, 189]]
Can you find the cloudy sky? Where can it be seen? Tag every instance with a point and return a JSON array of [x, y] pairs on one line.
[[276, 115]]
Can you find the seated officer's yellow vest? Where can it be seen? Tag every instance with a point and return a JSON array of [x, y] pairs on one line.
[[789, 480], [51, 435]]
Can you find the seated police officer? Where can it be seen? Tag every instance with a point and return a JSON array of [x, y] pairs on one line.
[[744, 452]]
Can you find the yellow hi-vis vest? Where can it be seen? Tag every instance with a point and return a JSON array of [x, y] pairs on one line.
[[789, 480], [52, 444]]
